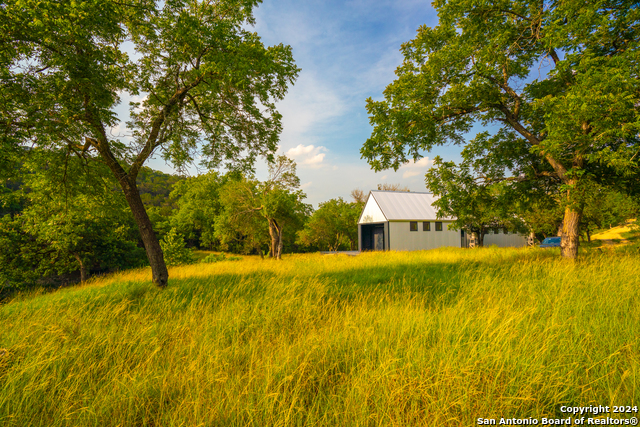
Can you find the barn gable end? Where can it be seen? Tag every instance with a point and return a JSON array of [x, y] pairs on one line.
[[372, 212]]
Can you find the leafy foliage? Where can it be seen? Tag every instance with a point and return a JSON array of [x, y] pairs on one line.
[[334, 226], [198, 206], [475, 204], [155, 188], [238, 228], [219, 257], [74, 219], [606, 208], [251, 205], [174, 249]]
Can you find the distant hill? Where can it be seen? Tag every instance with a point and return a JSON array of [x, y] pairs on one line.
[[155, 187]]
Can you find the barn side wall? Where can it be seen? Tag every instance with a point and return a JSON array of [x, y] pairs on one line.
[[505, 240], [401, 238], [387, 241]]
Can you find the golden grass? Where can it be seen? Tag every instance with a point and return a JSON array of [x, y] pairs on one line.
[[416, 338], [618, 233]]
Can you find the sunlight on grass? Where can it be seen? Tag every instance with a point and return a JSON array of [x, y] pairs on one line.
[[401, 338], [627, 231]]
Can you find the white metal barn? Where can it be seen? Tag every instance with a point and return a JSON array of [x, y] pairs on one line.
[[402, 221]]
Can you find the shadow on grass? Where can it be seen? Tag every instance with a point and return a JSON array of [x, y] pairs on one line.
[[434, 284], [437, 282], [180, 293], [633, 235]]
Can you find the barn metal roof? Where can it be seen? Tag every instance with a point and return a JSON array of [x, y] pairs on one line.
[[401, 205]]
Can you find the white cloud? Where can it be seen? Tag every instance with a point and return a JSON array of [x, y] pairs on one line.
[[306, 185], [315, 160], [308, 155], [416, 168], [300, 150], [410, 173]]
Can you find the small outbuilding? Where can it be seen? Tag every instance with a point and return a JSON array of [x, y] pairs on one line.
[[403, 221]]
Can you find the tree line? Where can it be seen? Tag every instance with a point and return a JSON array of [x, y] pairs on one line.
[[208, 89], [64, 218]]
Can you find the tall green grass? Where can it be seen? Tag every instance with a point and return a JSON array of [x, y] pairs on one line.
[[421, 338]]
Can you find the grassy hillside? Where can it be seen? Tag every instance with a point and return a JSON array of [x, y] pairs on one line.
[[424, 338], [623, 233]]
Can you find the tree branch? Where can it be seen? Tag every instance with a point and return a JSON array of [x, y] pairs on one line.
[[461, 112], [102, 144], [152, 140]]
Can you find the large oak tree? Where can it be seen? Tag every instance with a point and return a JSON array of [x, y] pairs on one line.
[[251, 204], [559, 78], [208, 85]]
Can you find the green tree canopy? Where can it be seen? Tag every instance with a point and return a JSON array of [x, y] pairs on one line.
[[155, 189], [277, 201], [208, 84], [238, 227], [74, 218], [333, 226], [486, 62], [476, 204], [199, 205], [606, 208]]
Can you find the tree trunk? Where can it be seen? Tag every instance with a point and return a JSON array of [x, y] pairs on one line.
[[588, 235], [276, 238], [83, 268], [280, 243], [481, 238], [573, 211], [159, 273], [570, 229], [127, 181]]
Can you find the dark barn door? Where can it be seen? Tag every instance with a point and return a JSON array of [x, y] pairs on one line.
[[378, 238], [372, 237]]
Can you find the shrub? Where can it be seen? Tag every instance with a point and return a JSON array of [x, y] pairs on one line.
[[219, 257], [174, 249]]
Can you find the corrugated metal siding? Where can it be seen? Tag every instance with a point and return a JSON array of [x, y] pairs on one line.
[[505, 240], [398, 205], [402, 239]]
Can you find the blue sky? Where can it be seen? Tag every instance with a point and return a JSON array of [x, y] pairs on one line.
[[348, 51]]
